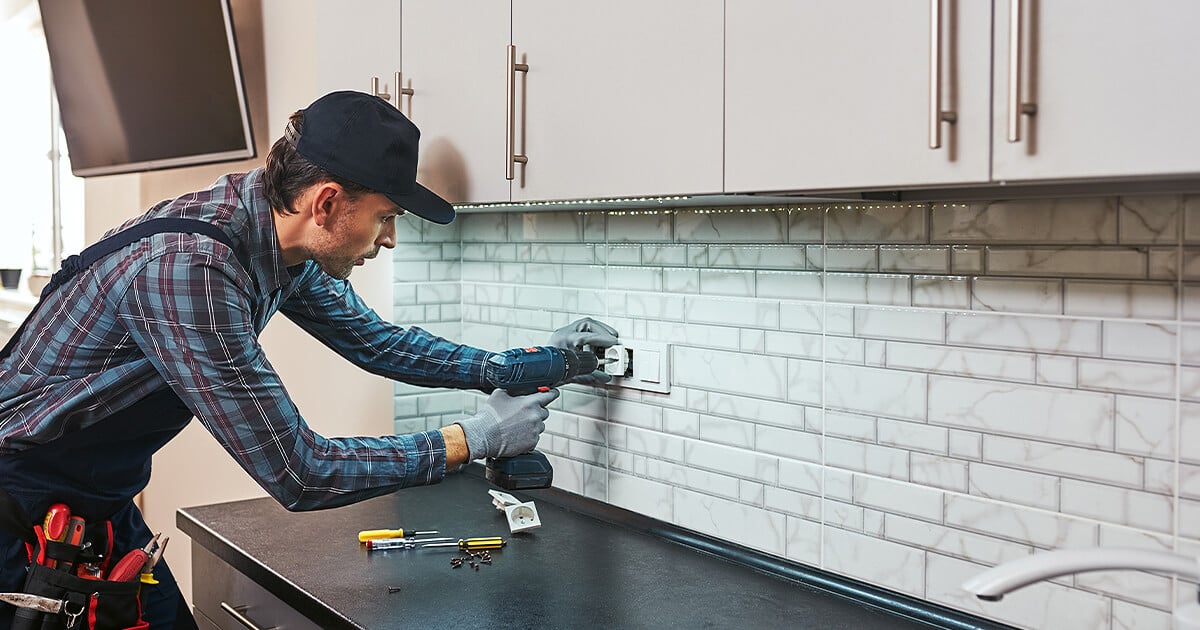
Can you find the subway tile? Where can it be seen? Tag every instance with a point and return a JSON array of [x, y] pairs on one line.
[[681, 423], [677, 280], [895, 497], [491, 226], [1089, 220], [1116, 505], [785, 257], [643, 496], [726, 282], [941, 292], [780, 414], [733, 461], [792, 503], [581, 276], [1008, 366], [546, 226], [1127, 616], [1127, 377], [1068, 261], [791, 285], [966, 444], [729, 372], [640, 227], [845, 350], [622, 255], [802, 317], [914, 259], [904, 324], [552, 274], [594, 226], [890, 393], [803, 345], [851, 259], [1017, 295], [953, 542], [852, 426], [873, 524], [900, 567], [654, 444], [1013, 486], [803, 541], [938, 472], [966, 259], [788, 443], [750, 313], [751, 493], [725, 226], [1150, 219], [1163, 263], [727, 431], [913, 436], [648, 305], [1191, 218], [736, 522], [806, 224], [1067, 461], [1018, 523], [1058, 415], [579, 254], [843, 515], [1140, 300], [867, 458], [839, 484], [1038, 334], [1140, 341], [868, 289], [890, 223], [701, 480], [801, 476], [1145, 426], [666, 255]]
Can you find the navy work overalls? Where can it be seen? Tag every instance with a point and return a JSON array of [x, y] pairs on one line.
[[99, 470]]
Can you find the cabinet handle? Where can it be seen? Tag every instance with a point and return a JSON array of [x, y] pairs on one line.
[[404, 91], [936, 115], [375, 90], [238, 612], [1016, 108], [511, 120]]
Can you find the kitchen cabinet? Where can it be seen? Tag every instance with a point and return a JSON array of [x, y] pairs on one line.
[[838, 95], [825, 95], [620, 98], [1114, 83], [453, 51], [356, 42], [623, 98]]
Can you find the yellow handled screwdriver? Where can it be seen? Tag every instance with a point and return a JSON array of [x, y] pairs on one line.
[[472, 544], [376, 534]]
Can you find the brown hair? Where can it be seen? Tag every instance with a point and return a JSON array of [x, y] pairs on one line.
[[288, 174]]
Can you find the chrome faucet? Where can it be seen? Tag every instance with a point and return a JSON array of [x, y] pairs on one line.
[[996, 582]]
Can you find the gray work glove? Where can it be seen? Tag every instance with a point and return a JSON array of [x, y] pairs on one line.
[[507, 425], [589, 332]]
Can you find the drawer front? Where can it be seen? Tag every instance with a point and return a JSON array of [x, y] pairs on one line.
[[229, 600]]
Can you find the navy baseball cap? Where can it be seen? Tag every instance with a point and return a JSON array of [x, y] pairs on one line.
[[364, 139]]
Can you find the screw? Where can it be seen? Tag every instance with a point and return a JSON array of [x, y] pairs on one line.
[[393, 589]]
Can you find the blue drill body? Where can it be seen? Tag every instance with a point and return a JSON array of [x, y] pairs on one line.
[[522, 371]]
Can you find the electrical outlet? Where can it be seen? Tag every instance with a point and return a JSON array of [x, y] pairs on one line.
[[641, 365]]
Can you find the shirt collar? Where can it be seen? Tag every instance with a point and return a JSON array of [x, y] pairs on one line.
[[267, 266]]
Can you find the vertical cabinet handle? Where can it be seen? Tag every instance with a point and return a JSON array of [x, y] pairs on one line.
[[239, 612], [375, 89], [511, 119], [936, 115], [407, 90], [1016, 108]]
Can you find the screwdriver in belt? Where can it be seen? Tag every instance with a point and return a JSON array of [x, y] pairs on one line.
[[375, 534], [472, 544]]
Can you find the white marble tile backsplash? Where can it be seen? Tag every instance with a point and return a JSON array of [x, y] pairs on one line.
[[901, 393]]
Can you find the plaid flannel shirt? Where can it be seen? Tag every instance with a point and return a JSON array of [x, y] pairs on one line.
[[179, 311]]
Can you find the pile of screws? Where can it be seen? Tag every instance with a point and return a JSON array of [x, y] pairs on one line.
[[472, 559]]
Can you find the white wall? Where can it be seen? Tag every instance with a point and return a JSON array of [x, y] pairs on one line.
[[276, 39]]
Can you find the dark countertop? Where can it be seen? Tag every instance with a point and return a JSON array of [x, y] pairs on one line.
[[574, 571]]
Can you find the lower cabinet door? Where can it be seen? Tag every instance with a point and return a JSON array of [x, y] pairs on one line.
[[225, 598]]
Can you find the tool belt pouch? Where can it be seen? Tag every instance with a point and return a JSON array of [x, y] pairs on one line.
[[89, 604]]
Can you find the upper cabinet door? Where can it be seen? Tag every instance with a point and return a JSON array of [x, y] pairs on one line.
[[1114, 84], [825, 95], [353, 46], [453, 53], [622, 98]]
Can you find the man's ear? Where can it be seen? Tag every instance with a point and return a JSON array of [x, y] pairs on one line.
[[325, 201]]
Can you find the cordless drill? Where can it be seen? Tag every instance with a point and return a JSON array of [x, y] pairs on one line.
[[522, 371]]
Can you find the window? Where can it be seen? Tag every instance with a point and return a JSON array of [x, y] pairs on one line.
[[41, 216]]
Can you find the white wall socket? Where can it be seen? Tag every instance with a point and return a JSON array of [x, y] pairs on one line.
[[641, 365]]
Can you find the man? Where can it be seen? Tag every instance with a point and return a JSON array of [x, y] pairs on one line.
[[124, 349]]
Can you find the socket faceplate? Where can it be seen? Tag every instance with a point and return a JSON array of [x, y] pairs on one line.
[[648, 366]]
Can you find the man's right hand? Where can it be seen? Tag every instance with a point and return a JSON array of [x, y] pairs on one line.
[[507, 425]]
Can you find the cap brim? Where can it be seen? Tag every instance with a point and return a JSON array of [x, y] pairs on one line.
[[425, 204]]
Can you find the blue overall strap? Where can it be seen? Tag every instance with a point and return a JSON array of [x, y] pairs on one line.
[[88, 257]]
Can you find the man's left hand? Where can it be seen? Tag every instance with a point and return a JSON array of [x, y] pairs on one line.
[[586, 332]]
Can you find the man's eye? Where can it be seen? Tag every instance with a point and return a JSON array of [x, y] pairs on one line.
[[389, 218]]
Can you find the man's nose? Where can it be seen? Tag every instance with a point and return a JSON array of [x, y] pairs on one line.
[[387, 237]]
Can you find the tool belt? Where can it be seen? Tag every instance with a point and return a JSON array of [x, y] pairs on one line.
[[73, 575]]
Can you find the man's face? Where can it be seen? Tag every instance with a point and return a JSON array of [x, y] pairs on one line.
[[355, 231]]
